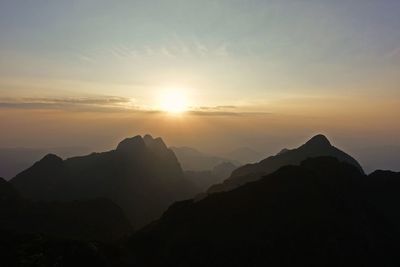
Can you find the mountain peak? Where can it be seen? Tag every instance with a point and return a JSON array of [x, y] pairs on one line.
[[283, 151], [147, 137], [132, 143], [51, 158], [318, 140], [154, 143]]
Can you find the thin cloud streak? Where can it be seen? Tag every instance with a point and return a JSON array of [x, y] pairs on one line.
[[227, 113], [113, 104], [174, 48], [99, 103]]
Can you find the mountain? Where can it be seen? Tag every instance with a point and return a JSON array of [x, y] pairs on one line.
[[95, 219], [204, 179], [322, 212], [141, 175], [245, 155], [194, 160], [223, 170], [15, 160], [318, 145], [7, 191]]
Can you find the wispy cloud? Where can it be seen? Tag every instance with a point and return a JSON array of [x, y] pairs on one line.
[[97, 103], [218, 108], [394, 53], [226, 113], [225, 110], [172, 48], [115, 104], [107, 100]]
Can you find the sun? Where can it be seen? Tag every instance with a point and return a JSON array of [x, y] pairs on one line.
[[174, 101]]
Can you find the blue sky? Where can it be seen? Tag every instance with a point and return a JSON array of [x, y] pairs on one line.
[[263, 47]]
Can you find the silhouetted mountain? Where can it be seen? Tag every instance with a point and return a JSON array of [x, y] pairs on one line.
[[245, 155], [15, 160], [204, 179], [317, 146], [194, 160], [7, 191], [97, 219], [224, 169], [316, 214], [142, 176]]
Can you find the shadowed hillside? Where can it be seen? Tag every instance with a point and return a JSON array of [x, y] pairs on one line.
[[96, 219], [320, 213]]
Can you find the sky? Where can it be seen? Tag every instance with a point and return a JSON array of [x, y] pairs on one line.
[[262, 74]]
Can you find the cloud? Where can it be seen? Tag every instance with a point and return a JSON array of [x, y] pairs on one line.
[[173, 47], [222, 50], [225, 110], [115, 104], [226, 113], [97, 103], [107, 100], [217, 107], [394, 53]]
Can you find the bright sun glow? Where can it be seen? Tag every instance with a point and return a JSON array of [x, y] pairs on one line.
[[174, 102]]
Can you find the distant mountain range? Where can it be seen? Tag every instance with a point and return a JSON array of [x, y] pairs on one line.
[[319, 145], [204, 179], [193, 160], [323, 212], [245, 155], [15, 160], [141, 175]]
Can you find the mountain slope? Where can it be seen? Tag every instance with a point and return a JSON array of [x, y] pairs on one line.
[[317, 146], [204, 179], [141, 175], [315, 214]]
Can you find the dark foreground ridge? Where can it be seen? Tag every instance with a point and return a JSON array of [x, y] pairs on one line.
[[321, 213], [317, 146], [94, 219]]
